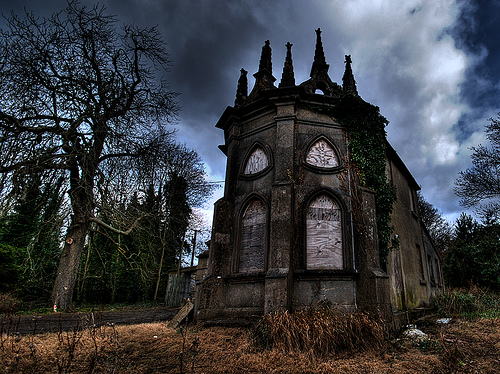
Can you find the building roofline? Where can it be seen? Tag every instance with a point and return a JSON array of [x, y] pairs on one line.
[[394, 157]]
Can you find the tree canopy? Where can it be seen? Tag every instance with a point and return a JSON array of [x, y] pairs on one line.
[[479, 186], [439, 229], [75, 93], [473, 254], [472, 257]]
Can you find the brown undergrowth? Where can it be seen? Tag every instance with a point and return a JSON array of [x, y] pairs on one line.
[[319, 332], [458, 347]]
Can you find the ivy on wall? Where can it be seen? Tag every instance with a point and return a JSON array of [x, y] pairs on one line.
[[365, 128]]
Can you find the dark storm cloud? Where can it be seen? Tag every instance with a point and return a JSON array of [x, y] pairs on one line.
[[477, 33], [209, 44], [430, 65]]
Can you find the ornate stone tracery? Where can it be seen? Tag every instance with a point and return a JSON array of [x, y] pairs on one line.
[[322, 155]]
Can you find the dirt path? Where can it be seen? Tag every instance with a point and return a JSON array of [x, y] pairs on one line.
[[54, 322]]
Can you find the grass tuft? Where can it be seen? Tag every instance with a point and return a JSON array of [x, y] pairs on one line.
[[319, 332]]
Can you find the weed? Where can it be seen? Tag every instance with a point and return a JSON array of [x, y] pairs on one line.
[[469, 303], [151, 348], [455, 357], [68, 343], [186, 353], [85, 348], [428, 346]]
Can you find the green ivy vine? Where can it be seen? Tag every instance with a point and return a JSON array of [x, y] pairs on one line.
[[365, 127]]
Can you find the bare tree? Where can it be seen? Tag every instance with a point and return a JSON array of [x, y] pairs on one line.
[[479, 186], [439, 229], [160, 188], [75, 92]]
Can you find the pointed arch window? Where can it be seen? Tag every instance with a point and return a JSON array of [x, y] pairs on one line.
[[324, 234], [253, 237], [257, 162], [322, 155]]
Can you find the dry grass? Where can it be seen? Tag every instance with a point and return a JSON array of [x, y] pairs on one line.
[[320, 332], [464, 347]]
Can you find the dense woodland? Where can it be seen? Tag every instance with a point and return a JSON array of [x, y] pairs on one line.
[[115, 267], [98, 199]]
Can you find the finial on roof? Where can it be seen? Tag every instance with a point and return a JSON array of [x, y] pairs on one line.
[[288, 77], [264, 77], [348, 82], [242, 89], [265, 58], [319, 64]]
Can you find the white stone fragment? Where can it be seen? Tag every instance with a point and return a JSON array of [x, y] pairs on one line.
[[444, 320], [415, 334]]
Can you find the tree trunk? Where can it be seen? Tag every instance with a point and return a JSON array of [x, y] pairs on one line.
[[67, 271], [194, 248], [159, 271]]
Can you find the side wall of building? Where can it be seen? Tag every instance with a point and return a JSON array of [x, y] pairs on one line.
[[414, 268]]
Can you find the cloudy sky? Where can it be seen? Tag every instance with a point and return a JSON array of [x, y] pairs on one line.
[[432, 66]]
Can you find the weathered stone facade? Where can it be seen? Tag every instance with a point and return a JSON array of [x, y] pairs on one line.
[[283, 234]]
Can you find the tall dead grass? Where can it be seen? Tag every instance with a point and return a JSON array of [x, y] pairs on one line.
[[154, 348], [82, 349], [319, 332]]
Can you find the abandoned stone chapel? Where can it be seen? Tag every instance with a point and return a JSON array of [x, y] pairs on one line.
[[317, 206]]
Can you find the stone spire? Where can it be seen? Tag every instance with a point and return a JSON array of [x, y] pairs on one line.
[[288, 77], [242, 90], [265, 58], [320, 81], [348, 82], [264, 77], [319, 64]]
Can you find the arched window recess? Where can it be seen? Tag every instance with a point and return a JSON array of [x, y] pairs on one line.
[[257, 161], [322, 156], [252, 248], [324, 233]]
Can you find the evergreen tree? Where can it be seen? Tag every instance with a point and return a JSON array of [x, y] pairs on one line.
[[19, 227], [31, 232], [154, 195], [473, 257]]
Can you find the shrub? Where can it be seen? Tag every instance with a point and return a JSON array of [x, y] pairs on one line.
[[469, 303], [8, 304]]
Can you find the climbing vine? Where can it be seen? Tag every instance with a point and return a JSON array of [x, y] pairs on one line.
[[365, 128]]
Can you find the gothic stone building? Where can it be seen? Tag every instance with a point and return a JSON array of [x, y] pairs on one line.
[[283, 234]]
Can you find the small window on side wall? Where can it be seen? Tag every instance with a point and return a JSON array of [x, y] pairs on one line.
[[324, 234], [253, 237]]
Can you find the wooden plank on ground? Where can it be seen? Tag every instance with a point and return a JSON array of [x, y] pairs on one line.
[[179, 317]]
